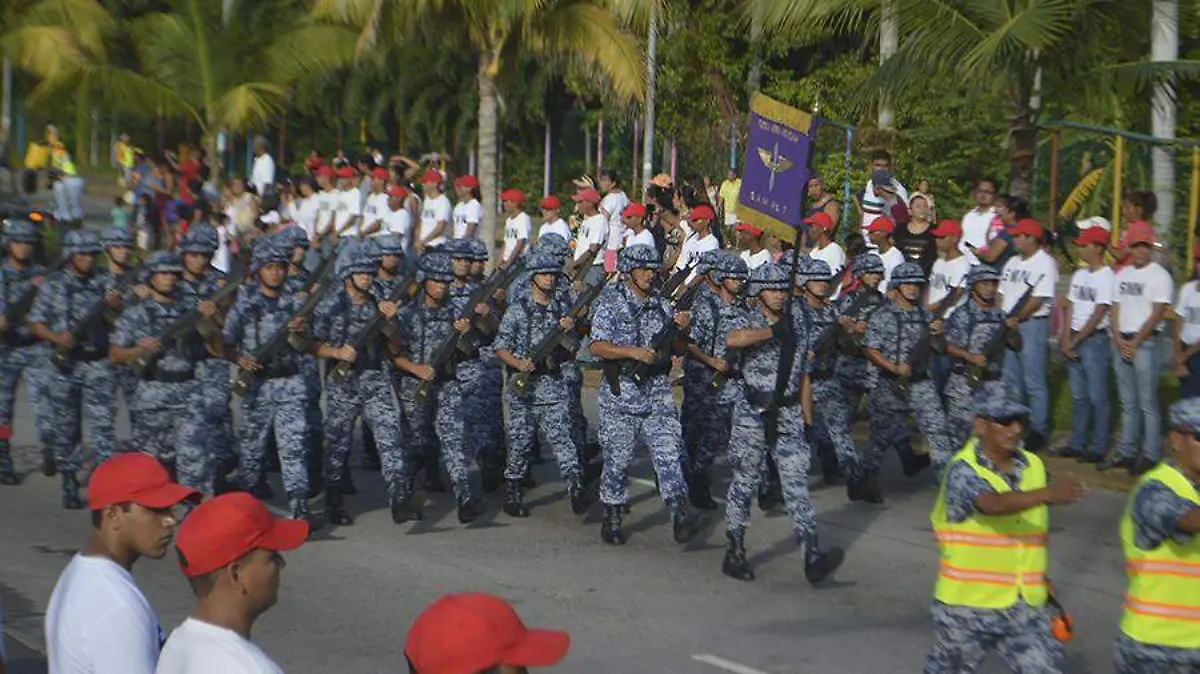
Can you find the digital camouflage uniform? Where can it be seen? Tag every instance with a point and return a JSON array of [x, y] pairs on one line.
[[170, 423], [852, 369], [894, 332], [638, 414], [276, 400], [21, 354], [85, 392], [310, 368], [697, 402], [126, 380], [970, 328]]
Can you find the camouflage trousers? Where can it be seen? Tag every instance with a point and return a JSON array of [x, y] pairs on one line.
[[366, 395], [716, 426], [1020, 636], [85, 395], [416, 425], [696, 403], [127, 382], [441, 416], [550, 421], [274, 405], [170, 428], [747, 454], [214, 377], [832, 417], [889, 422], [28, 362], [1135, 657], [621, 433], [573, 377], [960, 405], [481, 382]]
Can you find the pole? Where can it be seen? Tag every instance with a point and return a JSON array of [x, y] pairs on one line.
[[674, 160], [1164, 48], [1118, 167], [1055, 148], [600, 146], [847, 164], [651, 80], [732, 145], [1193, 207], [546, 162], [633, 183]]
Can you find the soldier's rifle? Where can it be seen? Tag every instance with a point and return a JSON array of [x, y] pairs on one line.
[[14, 315], [1005, 337], [927, 342], [559, 338], [181, 327], [96, 315]]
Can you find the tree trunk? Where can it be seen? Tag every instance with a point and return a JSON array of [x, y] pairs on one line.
[[1023, 138], [754, 76], [889, 42], [6, 106], [651, 80], [1164, 46], [488, 137]]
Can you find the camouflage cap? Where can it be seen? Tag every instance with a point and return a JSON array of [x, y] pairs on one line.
[[768, 277], [21, 231], [201, 238], [353, 258], [117, 237], [867, 263], [269, 249], [815, 270], [639, 256], [389, 244], [730, 265], [437, 265], [1185, 415], [477, 249], [163, 262], [81, 242], [991, 403], [982, 272], [296, 235], [908, 272], [543, 262]]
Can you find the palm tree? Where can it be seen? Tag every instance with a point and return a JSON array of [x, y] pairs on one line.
[[495, 33], [1164, 46]]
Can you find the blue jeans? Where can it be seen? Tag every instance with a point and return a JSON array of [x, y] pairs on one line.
[[1025, 373], [1137, 383], [1089, 395]]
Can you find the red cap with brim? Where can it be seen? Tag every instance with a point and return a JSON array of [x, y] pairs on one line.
[[948, 228], [432, 177], [397, 191], [1028, 227], [1140, 231], [135, 478], [747, 227], [820, 219], [470, 633], [587, 195], [702, 212], [467, 181], [515, 196], [1093, 235], [346, 173], [882, 224], [634, 211], [225, 529], [380, 174], [326, 171], [551, 202]]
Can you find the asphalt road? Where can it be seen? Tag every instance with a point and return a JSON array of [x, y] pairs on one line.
[[349, 596]]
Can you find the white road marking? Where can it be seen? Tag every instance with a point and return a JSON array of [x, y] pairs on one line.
[[643, 481], [727, 665]]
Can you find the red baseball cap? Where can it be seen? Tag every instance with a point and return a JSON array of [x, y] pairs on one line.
[[468, 181], [1028, 227], [820, 219], [513, 195], [702, 212], [227, 528], [135, 478], [469, 633], [948, 227], [1140, 231], [346, 172], [747, 227], [634, 210], [882, 224], [551, 202], [589, 194], [1093, 235], [397, 191], [433, 177], [380, 174], [326, 171]]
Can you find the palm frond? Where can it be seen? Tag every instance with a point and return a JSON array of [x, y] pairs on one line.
[[247, 106], [1080, 193], [587, 31]]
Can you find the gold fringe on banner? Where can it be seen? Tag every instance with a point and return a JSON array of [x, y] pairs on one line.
[[793, 118]]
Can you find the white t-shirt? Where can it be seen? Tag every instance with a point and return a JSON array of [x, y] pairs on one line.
[[644, 238], [1088, 289], [593, 231], [376, 208], [1188, 308], [612, 205], [465, 213], [891, 259], [693, 246], [835, 257], [1018, 271], [398, 222], [946, 276], [98, 622], [262, 174], [559, 227], [197, 647], [756, 260], [517, 228], [348, 205], [1138, 290], [326, 206], [304, 212], [975, 226], [901, 191], [433, 211], [221, 257]]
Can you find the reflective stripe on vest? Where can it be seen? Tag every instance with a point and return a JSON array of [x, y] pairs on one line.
[[1162, 605], [992, 561]]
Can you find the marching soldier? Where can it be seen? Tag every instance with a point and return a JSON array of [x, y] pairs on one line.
[[481, 378], [21, 353], [297, 278], [276, 399], [854, 310], [697, 400], [431, 403], [118, 245], [764, 422], [169, 397], [340, 325], [900, 390], [968, 331], [626, 318], [84, 389]]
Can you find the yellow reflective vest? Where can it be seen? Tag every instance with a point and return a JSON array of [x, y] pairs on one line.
[[1162, 605], [992, 561]]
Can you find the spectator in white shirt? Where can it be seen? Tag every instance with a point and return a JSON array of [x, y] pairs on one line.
[[348, 208], [977, 221], [948, 273], [820, 236], [750, 240], [435, 212], [634, 220], [1085, 344], [880, 234], [1144, 292], [229, 551], [398, 220], [376, 207], [518, 227], [881, 160], [612, 206], [304, 208], [699, 241], [593, 233], [552, 222], [262, 172], [98, 621], [1186, 348], [468, 212], [1025, 370], [327, 203]]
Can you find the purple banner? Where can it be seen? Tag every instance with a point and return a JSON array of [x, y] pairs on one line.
[[775, 174]]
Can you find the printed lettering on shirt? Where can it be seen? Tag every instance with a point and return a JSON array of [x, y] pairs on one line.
[[1132, 289], [1085, 293], [1192, 315]]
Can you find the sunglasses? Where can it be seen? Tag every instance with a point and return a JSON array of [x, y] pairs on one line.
[[1007, 421]]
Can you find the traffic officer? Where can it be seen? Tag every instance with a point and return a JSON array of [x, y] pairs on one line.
[[85, 392], [276, 399], [968, 331], [169, 397], [992, 522], [1162, 556], [626, 318], [764, 423], [431, 401], [365, 392], [21, 354]]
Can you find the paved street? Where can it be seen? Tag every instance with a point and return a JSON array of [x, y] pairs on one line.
[[349, 596]]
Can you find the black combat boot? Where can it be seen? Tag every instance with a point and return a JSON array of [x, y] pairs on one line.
[[470, 510], [298, 504], [335, 507], [685, 524], [735, 564], [491, 474], [610, 530], [770, 493], [700, 492], [512, 500], [8, 474], [49, 465], [527, 481], [312, 464], [70, 491], [405, 506], [818, 565], [582, 497]]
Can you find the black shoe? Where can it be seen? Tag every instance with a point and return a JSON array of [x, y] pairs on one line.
[[262, 490], [913, 464], [298, 503], [513, 507], [735, 564], [8, 475], [70, 492], [469, 511], [335, 507], [610, 530], [527, 481], [1115, 461], [818, 565], [49, 465], [685, 525], [582, 496], [406, 507]]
